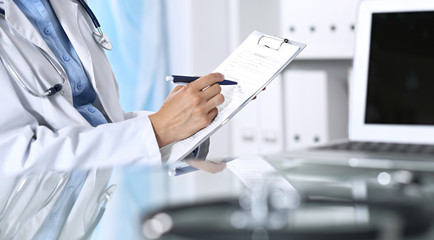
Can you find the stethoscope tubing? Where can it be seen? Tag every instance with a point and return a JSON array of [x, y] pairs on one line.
[[99, 37], [90, 13], [50, 91]]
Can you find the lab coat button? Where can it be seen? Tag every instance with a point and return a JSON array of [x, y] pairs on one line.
[[70, 189], [80, 86], [47, 31], [53, 217], [91, 109], [66, 58]]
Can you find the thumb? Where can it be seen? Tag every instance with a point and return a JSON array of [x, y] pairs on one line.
[[177, 88]]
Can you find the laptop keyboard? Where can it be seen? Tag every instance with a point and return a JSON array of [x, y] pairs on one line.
[[381, 147]]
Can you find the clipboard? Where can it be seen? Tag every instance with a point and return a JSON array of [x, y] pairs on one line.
[[254, 64]]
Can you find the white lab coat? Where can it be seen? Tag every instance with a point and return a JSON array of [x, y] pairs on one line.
[[48, 132], [41, 132]]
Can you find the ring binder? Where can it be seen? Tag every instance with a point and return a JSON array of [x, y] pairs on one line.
[[279, 44]]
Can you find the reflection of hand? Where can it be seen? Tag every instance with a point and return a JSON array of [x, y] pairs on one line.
[[188, 109], [207, 166]]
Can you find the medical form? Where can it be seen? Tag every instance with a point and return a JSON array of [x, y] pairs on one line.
[[254, 64]]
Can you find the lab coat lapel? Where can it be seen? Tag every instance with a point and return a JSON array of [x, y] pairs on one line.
[[22, 25], [67, 13], [19, 22], [79, 28]]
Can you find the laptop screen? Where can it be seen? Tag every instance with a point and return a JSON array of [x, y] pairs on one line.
[[401, 69]]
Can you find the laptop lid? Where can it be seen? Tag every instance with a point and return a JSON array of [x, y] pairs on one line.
[[392, 87]]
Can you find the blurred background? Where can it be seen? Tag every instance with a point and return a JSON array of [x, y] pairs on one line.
[[306, 105]]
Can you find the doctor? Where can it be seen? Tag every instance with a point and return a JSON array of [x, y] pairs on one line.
[[82, 125], [78, 123]]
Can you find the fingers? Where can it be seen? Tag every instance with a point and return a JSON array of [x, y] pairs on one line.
[[211, 97], [210, 92], [206, 81], [177, 88], [262, 90], [212, 114], [215, 101]]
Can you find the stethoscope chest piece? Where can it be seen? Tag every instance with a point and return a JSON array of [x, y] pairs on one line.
[[103, 40], [98, 35]]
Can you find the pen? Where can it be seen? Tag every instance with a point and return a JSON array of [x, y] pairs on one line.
[[177, 79]]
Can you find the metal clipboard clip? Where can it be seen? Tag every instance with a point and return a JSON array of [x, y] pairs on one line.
[[271, 42]]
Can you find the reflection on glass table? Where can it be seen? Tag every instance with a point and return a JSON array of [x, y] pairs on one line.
[[255, 198], [72, 204], [322, 202], [53, 204]]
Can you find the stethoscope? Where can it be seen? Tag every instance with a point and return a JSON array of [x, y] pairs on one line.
[[98, 36]]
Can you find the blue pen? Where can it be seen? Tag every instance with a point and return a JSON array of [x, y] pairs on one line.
[[177, 79]]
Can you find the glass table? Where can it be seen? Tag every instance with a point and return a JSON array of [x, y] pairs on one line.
[[285, 198]]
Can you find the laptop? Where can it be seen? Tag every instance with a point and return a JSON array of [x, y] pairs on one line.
[[391, 123]]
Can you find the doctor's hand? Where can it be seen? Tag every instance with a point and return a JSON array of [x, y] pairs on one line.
[[188, 109]]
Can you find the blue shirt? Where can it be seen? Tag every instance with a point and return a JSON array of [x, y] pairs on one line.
[[43, 18]]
